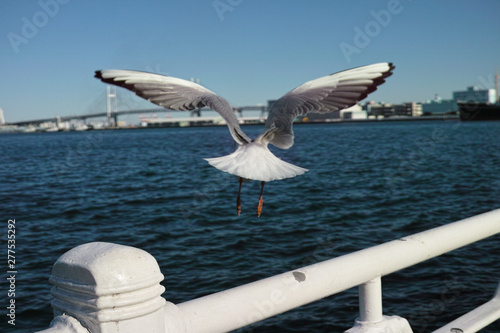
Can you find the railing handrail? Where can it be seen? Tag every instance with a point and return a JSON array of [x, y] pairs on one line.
[[240, 306], [112, 288]]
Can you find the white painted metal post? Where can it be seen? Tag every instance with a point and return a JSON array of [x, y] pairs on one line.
[[108, 288], [370, 301], [371, 319], [65, 324]]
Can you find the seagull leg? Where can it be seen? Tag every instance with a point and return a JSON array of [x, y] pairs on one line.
[[261, 201], [238, 199]]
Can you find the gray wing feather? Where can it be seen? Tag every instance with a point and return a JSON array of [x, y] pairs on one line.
[[326, 94], [175, 94]]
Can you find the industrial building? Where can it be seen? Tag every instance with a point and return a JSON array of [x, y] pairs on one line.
[[439, 106], [446, 106], [354, 112], [474, 94], [386, 110]]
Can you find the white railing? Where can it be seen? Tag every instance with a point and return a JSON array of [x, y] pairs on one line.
[[96, 295]]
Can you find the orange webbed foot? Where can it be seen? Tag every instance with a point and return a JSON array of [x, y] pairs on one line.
[[261, 200]]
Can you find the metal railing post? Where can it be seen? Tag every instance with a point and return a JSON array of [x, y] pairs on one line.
[[370, 301], [371, 318]]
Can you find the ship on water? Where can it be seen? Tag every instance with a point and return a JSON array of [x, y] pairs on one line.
[[475, 104], [470, 111]]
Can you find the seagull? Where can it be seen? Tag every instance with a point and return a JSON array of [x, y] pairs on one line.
[[252, 159]]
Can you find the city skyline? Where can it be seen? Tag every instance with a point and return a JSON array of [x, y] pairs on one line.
[[247, 52]]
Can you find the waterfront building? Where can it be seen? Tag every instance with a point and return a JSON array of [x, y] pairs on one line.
[[386, 110], [445, 106], [439, 106], [411, 109], [354, 112], [476, 95]]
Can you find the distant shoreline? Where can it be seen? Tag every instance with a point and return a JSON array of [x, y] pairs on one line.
[[327, 121]]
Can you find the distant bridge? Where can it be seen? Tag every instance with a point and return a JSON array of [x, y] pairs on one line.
[[114, 114]]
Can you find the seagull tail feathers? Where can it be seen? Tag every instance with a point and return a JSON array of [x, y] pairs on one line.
[[256, 162]]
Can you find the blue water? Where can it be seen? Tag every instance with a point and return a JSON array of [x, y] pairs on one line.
[[368, 183]]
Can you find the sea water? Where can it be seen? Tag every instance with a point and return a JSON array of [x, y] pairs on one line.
[[368, 183]]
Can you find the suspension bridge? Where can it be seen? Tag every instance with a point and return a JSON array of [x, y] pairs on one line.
[[112, 113]]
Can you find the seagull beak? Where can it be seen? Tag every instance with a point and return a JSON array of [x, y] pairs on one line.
[[261, 201]]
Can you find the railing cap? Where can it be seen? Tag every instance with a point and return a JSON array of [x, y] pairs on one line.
[[103, 268]]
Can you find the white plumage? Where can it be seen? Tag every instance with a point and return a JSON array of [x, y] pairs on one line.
[[255, 161]]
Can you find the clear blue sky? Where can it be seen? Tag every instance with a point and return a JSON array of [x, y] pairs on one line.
[[248, 51]]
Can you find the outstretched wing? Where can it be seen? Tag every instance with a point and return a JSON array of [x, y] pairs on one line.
[[326, 94], [173, 93]]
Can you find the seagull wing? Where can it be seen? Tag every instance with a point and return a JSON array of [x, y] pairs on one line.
[[326, 94], [173, 93]]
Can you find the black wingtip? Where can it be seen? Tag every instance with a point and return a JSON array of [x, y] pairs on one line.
[[378, 81], [110, 80], [391, 69]]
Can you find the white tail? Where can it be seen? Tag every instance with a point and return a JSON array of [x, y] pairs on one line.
[[255, 161]]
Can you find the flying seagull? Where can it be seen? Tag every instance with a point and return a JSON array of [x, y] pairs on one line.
[[252, 160]]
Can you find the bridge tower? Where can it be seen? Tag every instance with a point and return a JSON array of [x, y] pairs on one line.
[[111, 106]]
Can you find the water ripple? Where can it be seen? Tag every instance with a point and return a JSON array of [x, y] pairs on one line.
[[367, 184]]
